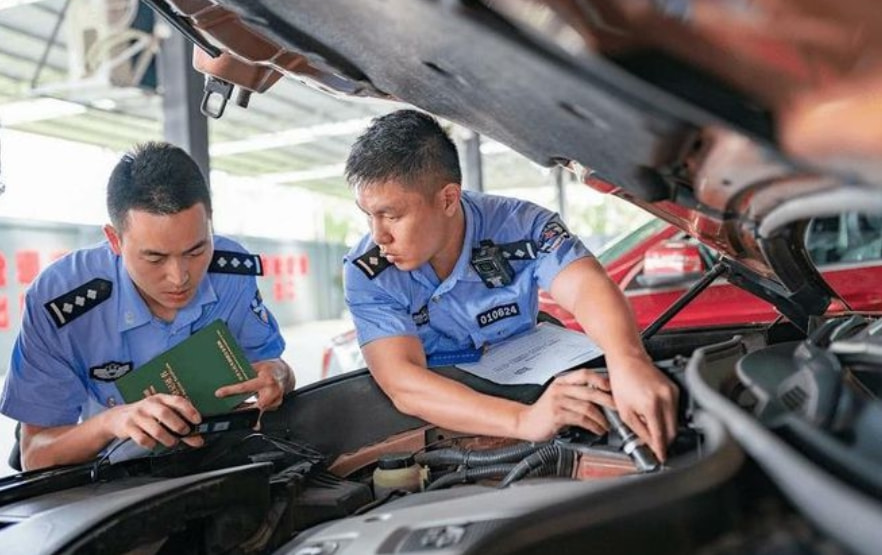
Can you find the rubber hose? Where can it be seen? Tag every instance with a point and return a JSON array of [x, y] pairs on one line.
[[470, 475], [450, 456], [550, 460]]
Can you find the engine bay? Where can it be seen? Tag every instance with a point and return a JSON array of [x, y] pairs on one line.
[[388, 483]]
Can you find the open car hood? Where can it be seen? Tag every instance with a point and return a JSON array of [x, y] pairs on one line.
[[777, 448], [736, 121]]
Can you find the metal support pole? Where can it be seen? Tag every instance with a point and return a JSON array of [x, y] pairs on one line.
[[719, 269], [35, 80], [561, 188], [183, 124], [470, 161]]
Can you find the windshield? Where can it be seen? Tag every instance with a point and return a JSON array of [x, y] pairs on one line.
[[847, 250], [624, 243]]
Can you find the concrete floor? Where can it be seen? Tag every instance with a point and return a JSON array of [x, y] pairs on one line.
[[305, 344]]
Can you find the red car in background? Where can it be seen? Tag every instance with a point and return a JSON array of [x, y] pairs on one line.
[[656, 263]]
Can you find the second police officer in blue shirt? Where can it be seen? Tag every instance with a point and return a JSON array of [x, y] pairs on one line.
[[101, 312], [429, 279]]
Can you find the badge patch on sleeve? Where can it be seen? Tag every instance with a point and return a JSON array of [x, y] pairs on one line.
[[110, 371], [421, 317], [258, 308], [553, 234], [498, 313]]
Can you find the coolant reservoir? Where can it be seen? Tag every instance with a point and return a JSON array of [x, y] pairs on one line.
[[396, 471]]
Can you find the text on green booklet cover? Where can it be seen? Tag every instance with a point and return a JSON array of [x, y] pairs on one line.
[[195, 369]]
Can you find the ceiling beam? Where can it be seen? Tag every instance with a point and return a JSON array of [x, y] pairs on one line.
[[6, 4], [291, 137], [312, 174]]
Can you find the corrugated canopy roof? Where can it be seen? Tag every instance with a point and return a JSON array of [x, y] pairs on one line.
[[291, 135]]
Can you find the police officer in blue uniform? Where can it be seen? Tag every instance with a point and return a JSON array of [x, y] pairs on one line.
[[101, 312], [445, 270]]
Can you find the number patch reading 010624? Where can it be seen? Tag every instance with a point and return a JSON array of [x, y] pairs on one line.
[[498, 313]]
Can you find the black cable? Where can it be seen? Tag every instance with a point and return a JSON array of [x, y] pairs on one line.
[[440, 441], [470, 475], [549, 460], [469, 458], [96, 466], [442, 457], [292, 448]]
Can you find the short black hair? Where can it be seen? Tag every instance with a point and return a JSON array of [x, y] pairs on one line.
[[407, 146], [158, 178]]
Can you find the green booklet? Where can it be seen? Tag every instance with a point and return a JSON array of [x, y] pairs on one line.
[[195, 369]]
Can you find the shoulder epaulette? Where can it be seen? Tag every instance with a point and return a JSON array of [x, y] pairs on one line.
[[70, 306], [231, 262], [372, 262]]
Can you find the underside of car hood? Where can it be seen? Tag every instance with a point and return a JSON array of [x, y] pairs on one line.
[[734, 121]]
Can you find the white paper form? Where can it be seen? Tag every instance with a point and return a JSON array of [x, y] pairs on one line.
[[533, 357]]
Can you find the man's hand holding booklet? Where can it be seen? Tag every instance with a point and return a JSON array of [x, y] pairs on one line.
[[195, 369]]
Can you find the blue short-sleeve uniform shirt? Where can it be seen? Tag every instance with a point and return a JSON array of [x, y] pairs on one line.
[[85, 325], [461, 313]]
